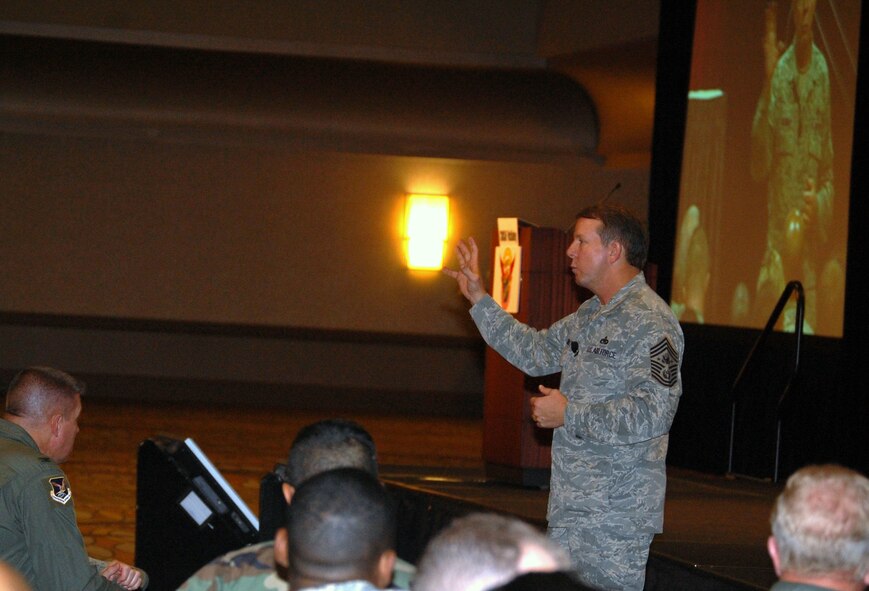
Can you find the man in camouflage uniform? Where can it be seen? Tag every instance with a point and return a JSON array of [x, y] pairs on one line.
[[251, 568], [619, 356], [792, 148], [39, 535], [318, 447]]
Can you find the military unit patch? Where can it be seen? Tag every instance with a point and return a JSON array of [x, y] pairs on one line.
[[60, 490], [665, 362]]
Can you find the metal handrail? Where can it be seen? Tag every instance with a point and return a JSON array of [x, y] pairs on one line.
[[790, 288]]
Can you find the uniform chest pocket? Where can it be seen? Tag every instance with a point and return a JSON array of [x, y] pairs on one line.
[[601, 370]]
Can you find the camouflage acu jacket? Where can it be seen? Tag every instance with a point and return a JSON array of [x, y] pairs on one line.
[[620, 371], [252, 568]]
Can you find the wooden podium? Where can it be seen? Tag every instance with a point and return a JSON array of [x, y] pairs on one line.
[[514, 449]]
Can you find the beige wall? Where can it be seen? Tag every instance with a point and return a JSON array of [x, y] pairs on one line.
[[285, 238], [211, 173], [239, 235]]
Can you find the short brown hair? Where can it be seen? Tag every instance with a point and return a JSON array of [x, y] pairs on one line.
[[37, 392], [622, 225]]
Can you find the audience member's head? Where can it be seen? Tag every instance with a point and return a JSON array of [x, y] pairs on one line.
[[342, 527], [11, 579], [326, 445], [820, 529], [546, 581], [329, 444], [37, 392], [483, 550], [46, 402]]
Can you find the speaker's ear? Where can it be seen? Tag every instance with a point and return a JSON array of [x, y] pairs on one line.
[[615, 251]]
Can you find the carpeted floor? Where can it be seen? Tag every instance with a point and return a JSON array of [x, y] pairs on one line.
[[243, 443]]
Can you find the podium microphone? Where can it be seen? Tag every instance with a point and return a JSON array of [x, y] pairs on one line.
[[610, 194], [569, 229]]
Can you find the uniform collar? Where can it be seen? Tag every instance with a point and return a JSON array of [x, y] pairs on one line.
[[636, 283], [17, 433]]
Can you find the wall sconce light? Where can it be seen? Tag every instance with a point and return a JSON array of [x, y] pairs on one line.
[[426, 225]]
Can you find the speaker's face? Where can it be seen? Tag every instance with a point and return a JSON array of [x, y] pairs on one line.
[[588, 254]]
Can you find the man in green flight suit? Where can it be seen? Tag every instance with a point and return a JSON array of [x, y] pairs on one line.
[[39, 535]]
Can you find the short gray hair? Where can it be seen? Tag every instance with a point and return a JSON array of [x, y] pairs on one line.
[[36, 393], [480, 551], [820, 522]]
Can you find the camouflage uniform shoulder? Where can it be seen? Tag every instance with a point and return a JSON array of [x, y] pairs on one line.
[[251, 568]]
